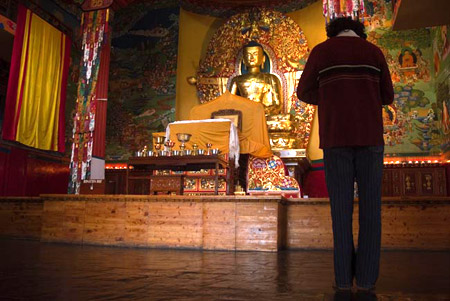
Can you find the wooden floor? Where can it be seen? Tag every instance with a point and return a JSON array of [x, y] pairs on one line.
[[32, 270]]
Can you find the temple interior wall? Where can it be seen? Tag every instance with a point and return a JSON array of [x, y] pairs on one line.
[[417, 124], [151, 101], [194, 35]]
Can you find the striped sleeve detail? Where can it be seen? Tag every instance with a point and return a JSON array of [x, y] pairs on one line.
[[349, 66], [348, 77], [348, 72]]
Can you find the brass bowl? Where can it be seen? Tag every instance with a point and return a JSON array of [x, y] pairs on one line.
[[215, 151], [183, 137], [160, 139]]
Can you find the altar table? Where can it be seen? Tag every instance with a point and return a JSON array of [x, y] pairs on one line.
[[139, 168]]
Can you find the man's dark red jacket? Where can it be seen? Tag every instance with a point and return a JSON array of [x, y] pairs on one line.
[[348, 78]]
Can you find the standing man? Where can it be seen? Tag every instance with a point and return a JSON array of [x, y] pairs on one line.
[[349, 80]]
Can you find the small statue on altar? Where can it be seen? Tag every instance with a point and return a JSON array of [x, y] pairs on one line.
[[256, 85]]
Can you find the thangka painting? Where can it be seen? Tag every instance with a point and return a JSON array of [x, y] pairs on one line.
[[413, 123], [142, 75], [284, 45], [441, 69]]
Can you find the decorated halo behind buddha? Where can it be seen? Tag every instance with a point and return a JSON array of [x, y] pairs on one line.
[[285, 50]]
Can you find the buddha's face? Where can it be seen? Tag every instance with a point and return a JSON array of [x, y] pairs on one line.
[[253, 56]]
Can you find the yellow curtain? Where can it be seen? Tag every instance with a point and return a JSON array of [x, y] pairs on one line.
[[41, 72]]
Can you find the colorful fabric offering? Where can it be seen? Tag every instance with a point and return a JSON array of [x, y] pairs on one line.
[[267, 175]]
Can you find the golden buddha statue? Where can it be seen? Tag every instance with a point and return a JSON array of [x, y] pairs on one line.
[[265, 88], [256, 85]]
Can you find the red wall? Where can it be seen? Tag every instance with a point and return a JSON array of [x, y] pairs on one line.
[[28, 172]]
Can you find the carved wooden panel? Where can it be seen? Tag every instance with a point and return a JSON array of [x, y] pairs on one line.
[[427, 183], [409, 183], [414, 181], [387, 179], [396, 183], [173, 183]]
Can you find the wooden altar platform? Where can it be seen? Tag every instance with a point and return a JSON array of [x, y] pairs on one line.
[[235, 223], [143, 168]]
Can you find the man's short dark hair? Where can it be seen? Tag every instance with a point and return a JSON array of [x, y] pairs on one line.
[[339, 24]]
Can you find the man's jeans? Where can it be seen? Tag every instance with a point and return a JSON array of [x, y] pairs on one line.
[[342, 167]]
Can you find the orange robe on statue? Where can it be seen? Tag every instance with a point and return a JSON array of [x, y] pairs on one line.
[[254, 137]]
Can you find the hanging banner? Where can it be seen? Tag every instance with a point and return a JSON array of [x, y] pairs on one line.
[[94, 29], [343, 8], [96, 4]]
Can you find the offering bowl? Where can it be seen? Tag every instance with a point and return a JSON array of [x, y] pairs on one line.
[[214, 151], [183, 138]]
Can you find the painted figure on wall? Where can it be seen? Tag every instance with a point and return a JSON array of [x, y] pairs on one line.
[[389, 115], [446, 42], [441, 47], [445, 118], [443, 103], [408, 61], [415, 127]]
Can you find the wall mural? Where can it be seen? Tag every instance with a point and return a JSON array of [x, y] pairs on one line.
[[413, 123], [143, 71], [141, 96], [441, 68]]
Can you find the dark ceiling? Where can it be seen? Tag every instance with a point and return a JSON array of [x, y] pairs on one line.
[[221, 7], [421, 13], [412, 13]]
